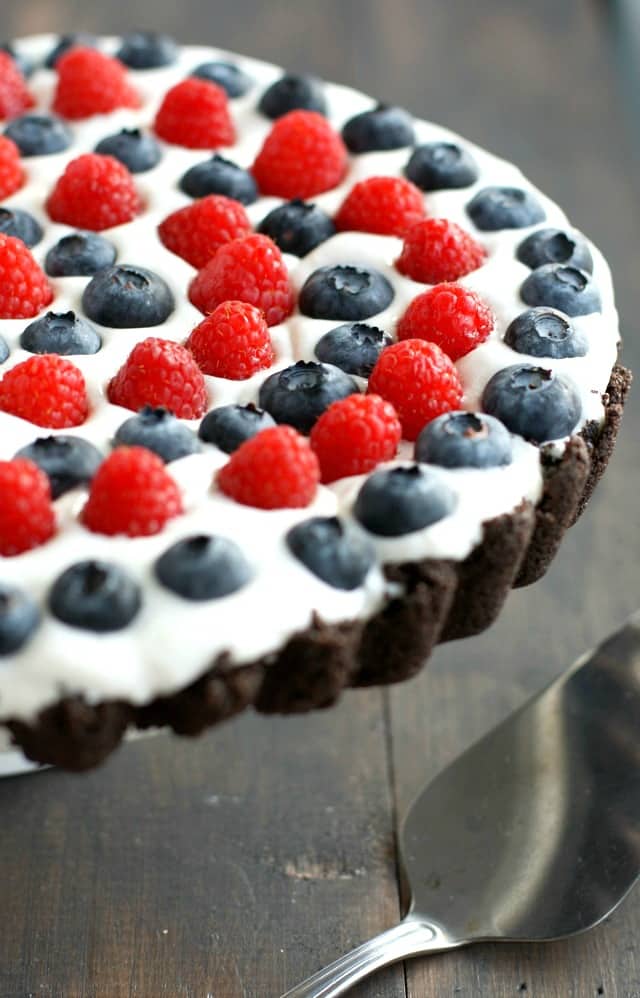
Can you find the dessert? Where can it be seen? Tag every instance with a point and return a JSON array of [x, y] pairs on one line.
[[292, 387]]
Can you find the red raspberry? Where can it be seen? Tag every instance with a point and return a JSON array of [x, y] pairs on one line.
[[250, 270], [452, 316], [419, 380], [386, 205], [160, 373], [131, 493], [90, 82], [14, 94], [27, 518], [48, 390], [276, 469], [195, 113], [11, 172], [197, 231], [355, 434], [94, 192], [439, 250], [233, 342], [302, 156], [24, 289]]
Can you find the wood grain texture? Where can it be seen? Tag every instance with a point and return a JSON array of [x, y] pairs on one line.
[[237, 864], [226, 866]]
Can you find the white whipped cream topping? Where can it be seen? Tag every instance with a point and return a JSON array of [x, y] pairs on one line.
[[172, 641]]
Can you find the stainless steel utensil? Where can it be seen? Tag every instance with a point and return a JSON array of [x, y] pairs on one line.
[[533, 833]]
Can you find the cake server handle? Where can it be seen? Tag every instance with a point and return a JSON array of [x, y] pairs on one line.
[[411, 937]]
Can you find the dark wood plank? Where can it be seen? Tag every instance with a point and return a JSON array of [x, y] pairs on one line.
[[232, 866], [555, 89]]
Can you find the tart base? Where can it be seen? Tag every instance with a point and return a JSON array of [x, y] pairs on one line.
[[443, 600]]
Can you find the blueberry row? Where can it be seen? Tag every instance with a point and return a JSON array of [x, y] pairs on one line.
[[102, 597], [351, 293], [46, 134], [380, 128], [63, 333], [538, 332], [141, 50], [132, 296], [137, 49], [531, 401], [71, 461], [78, 254], [299, 394], [453, 440], [432, 166], [561, 261]]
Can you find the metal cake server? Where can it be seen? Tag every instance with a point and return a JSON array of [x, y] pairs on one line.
[[533, 833]]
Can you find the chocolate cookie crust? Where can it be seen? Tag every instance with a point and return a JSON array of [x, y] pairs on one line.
[[443, 600]]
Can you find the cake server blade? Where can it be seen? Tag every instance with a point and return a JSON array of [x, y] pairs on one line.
[[533, 834]]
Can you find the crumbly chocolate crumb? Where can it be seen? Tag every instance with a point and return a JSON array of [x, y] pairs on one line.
[[602, 440]]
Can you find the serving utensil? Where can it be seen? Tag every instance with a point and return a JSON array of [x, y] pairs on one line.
[[533, 834]]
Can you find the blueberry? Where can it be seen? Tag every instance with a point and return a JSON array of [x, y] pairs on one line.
[[301, 393], [333, 550], [96, 596], [158, 430], [566, 288], [203, 567], [230, 425], [4, 350], [138, 150], [65, 42], [297, 227], [127, 297], [19, 617], [438, 166], [22, 61], [64, 333], [545, 332], [227, 75], [39, 134], [292, 92], [555, 246], [345, 292], [400, 500], [353, 347], [147, 50], [16, 222], [79, 254], [495, 208], [381, 128], [464, 440], [534, 402], [67, 461], [219, 176]]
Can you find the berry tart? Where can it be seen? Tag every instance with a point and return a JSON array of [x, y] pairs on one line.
[[293, 386]]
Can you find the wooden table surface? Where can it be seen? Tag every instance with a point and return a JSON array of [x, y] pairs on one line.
[[235, 865]]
